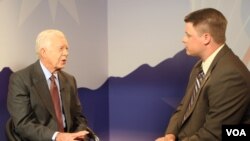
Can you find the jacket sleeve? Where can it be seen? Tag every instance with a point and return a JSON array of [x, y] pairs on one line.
[[23, 117]]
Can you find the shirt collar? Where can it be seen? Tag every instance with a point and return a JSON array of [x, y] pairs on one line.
[[47, 72], [206, 64]]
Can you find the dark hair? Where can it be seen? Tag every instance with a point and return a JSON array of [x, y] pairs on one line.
[[211, 21]]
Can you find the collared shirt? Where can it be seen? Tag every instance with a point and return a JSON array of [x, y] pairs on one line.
[[206, 64], [47, 75]]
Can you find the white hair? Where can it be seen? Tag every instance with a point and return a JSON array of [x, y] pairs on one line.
[[44, 37]]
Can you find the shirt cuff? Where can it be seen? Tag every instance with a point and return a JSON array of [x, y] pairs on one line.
[[54, 136]]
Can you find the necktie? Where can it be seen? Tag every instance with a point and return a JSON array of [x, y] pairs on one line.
[[196, 88], [56, 102]]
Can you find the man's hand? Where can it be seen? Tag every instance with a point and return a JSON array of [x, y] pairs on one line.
[[167, 137], [78, 136]]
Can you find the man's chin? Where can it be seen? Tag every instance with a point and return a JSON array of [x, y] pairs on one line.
[[58, 68], [188, 53]]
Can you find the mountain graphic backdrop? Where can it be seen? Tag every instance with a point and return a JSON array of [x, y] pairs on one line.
[[136, 107]]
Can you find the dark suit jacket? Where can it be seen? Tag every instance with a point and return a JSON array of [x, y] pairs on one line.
[[30, 106], [224, 98]]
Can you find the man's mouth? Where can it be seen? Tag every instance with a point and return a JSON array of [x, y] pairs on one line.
[[64, 61]]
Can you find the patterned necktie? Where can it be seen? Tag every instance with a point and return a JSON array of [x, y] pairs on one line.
[[196, 88], [56, 102]]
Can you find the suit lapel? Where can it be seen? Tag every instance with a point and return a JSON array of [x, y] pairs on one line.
[[65, 95], [191, 88], [203, 83], [41, 88]]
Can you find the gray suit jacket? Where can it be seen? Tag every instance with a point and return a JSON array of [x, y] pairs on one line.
[[224, 98], [30, 106]]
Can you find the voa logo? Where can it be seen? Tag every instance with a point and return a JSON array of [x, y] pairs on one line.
[[236, 132]]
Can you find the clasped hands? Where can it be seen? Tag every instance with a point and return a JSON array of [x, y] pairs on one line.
[[77, 136]]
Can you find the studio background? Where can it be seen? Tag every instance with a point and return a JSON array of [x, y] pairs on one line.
[[127, 55]]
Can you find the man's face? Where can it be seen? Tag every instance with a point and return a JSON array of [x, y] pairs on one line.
[[193, 41], [56, 53]]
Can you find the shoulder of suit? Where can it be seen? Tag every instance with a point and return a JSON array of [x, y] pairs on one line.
[[26, 70]]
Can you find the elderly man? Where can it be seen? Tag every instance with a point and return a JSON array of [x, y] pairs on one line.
[[42, 99]]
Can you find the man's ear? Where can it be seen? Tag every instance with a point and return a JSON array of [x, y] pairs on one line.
[[42, 52], [206, 38]]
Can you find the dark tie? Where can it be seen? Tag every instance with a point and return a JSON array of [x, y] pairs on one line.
[[56, 102], [196, 88]]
